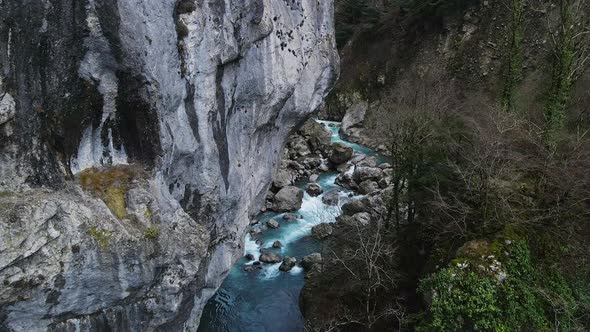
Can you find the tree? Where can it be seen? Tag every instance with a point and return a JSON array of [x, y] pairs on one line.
[[570, 45]]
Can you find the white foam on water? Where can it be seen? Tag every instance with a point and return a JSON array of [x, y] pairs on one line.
[[251, 247], [270, 271], [296, 270]]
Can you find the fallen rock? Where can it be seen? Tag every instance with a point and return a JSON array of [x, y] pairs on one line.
[[314, 178], [346, 180], [343, 168], [288, 199], [340, 153], [353, 119], [282, 179], [273, 224], [250, 257], [277, 244], [356, 206], [367, 162], [322, 231], [368, 187], [270, 257], [288, 264], [310, 260], [290, 217], [367, 173], [314, 189], [332, 197], [318, 137]]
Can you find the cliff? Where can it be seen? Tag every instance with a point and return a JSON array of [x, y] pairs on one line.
[[136, 139]]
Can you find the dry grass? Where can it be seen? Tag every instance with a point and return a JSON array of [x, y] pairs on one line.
[[111, 184]]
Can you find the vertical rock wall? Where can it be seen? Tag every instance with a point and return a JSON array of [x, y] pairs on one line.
[[200, 94]]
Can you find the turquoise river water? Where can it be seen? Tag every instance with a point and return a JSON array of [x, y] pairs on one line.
[[268, 300]]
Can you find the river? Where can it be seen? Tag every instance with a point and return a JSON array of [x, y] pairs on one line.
[[268, 299]]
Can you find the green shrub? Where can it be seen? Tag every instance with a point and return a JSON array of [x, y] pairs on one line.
[[100, 236], [152, 233], [495, 292]]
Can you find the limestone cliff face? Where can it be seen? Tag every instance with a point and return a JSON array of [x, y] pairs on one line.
[[200, 95]]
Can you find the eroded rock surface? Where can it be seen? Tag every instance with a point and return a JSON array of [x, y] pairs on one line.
[[199, 94]]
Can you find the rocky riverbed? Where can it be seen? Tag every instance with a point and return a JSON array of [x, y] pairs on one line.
[[317, 187]]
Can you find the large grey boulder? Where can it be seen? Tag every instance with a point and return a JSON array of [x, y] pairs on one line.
[[288, 264], [346, 180], [352, 123], [367, 173], [288, 199], [358, 205], [332, 197], [269, 257], [314, 189], [340, 153], [310, 260], [322, 231], [317, 136], [273, 224], [283, 178], [368, 187]]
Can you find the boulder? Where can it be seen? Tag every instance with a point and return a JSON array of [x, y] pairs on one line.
[[255, 231], [273, 224], [298, 147], [314, 178], [290, 217], [270, 257], [384, 183], [250, 257], [322, 231], [277, 244], [367, 162], [361, 174], [340, 153], [356, 206], [282, 179], [385, 166], [310, 163], [343, 168], [352, 123], [368, 187], [288, 199], [345, 180], [310, 260], [314, 189], [317, 136], [332, 197], [288, 264]]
